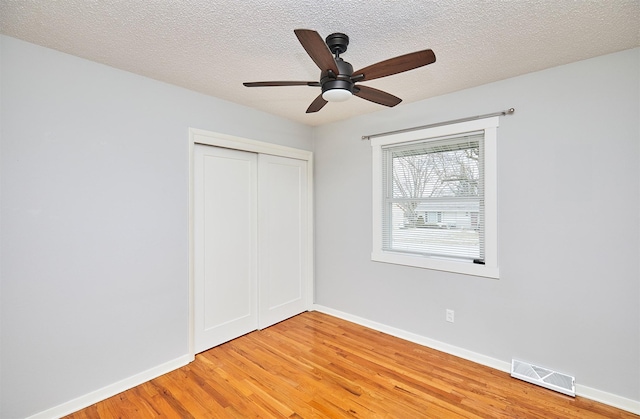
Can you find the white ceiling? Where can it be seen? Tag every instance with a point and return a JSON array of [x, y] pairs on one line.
[[212, 46]]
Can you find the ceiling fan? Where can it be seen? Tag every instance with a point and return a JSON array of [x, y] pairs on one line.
[[338, 80]]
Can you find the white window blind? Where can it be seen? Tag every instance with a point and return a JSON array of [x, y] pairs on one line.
[[433, 197]]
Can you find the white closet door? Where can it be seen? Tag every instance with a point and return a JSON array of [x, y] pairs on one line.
[[225, 234], [283, 233]]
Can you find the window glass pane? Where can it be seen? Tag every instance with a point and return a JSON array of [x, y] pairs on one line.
[[434, 196], [436, 169], [447, 233]]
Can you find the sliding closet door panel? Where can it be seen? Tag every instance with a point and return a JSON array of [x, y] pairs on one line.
[[225, 234], [282, 208]]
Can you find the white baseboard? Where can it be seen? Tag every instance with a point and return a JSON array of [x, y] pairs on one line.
[[609, 399], [112, 389], [619, 402]]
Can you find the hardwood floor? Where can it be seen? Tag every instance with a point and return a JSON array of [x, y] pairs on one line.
[[316, 366]]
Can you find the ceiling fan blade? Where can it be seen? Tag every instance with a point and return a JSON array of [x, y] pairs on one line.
[[377, 96], [317, 104], [281, 83], [396, 65], [317, 49]]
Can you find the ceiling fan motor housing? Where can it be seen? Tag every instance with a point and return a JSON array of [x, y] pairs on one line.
[[342, 80]]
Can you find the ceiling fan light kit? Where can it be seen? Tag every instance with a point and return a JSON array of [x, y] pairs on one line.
[[337, 78], [337, 95]]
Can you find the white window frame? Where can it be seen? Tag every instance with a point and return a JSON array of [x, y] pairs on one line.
[[490, 268]]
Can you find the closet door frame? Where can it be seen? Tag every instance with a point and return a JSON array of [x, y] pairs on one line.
[[198, 136]]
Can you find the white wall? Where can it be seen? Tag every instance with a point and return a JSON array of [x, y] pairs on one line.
[[568, 182], [94, 201]]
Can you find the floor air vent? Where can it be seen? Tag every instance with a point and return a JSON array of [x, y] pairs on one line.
[[544, 377]]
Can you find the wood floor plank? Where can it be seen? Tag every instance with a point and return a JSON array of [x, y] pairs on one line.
[[318, 366]]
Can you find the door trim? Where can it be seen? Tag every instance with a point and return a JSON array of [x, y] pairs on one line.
[[198, 136]]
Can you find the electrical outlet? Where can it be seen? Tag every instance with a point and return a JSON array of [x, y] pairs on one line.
[[450, 316]]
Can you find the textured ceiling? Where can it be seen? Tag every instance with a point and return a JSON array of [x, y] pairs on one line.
[[212, 46]]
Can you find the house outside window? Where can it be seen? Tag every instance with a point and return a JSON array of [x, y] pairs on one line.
[[435, 198]]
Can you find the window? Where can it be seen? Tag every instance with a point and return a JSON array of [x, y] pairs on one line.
[[434, 196]]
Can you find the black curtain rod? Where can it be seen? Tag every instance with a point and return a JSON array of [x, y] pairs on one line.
[[507, 112]]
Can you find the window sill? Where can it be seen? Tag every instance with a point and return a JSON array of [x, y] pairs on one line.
[[467, 268]]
